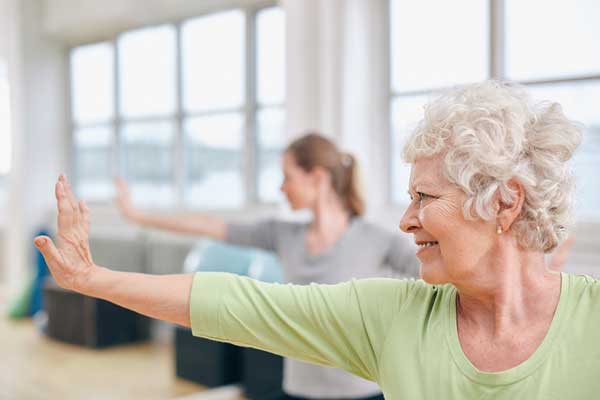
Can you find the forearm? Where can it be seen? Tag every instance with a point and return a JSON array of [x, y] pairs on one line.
[[192, 224], [164, 297]]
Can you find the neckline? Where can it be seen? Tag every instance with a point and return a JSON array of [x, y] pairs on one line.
[[329, 250], [520, 371]]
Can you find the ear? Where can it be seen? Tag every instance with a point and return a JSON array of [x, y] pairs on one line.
[[508, 211], [321, 176]]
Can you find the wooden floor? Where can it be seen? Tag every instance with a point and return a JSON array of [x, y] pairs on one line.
[[34, 367]]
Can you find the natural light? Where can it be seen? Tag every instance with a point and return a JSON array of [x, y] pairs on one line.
[[5, 143]]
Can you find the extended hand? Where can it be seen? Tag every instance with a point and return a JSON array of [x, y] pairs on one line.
[[123, 200], [70, 261]]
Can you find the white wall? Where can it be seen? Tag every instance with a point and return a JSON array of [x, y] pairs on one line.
[[37, 73], [4, 41], [3, 58]]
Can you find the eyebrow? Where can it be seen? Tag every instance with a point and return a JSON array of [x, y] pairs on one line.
[[425, 184]]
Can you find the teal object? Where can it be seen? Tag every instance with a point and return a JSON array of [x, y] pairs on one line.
[[30, 301], [213, 256], [266, 267], [19, 308], [41, 273]]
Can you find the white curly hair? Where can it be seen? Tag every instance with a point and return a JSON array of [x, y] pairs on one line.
[[491, 132]]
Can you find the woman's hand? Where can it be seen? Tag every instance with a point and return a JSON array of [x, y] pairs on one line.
[[123, 200], [184, 223], [70, 261]]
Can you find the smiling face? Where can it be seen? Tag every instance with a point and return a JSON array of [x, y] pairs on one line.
[[451, 249]]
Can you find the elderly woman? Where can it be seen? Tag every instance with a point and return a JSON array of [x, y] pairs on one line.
[[491, 191]]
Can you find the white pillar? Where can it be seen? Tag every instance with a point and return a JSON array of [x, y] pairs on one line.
[[302, 65], [365, 93], [37, 68]]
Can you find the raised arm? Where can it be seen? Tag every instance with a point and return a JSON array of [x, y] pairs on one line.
[[70, 261], [186, 223]]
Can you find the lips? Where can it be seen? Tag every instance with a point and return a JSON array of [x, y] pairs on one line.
[[424, 245]]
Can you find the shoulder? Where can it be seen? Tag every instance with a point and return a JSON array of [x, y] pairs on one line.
[[584, 286], [406, 292]]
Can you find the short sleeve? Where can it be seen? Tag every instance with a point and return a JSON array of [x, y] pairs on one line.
[[343, 325]]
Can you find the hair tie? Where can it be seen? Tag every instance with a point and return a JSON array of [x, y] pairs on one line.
[[346, 160]]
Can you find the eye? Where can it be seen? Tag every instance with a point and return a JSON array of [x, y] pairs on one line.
[[424, 196], [420, 196]]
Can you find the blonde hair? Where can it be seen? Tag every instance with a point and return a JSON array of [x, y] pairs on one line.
[[491, 132]]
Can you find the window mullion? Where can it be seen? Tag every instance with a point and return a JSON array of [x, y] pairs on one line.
[[118, 168], [251, 151], [497, 43], [74, 159], [178, 150]]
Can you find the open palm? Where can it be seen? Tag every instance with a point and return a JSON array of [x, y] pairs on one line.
[[70, 261]]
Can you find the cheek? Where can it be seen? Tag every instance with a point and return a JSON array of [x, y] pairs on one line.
[[440, 217], [297, 191]]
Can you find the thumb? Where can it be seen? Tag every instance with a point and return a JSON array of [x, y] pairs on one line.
[[46, 247]]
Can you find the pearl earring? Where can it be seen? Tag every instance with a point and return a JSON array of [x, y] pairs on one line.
[[499, 230]]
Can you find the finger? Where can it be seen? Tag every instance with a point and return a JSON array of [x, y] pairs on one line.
[[85, 216], [122, 188], [73, 202], [65, 211], [46, 247]]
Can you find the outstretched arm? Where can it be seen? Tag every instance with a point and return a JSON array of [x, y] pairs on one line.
[[188, 223], [70, 261], [341, 325]]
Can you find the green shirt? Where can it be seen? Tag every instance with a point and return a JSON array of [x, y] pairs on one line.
[[400, 334]]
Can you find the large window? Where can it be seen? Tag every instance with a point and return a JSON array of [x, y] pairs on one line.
[[551, 47], [430, 51], [191, 114], [559, 60]]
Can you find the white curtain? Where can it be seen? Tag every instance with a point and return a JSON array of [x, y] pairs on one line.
[[337, 80]]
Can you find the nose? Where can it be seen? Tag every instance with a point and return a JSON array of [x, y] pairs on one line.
[[410, 220]]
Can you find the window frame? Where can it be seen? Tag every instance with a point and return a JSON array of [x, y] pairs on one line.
[[249, 109], [496, 59]]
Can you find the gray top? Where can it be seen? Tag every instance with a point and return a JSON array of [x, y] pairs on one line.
[[364, 250]]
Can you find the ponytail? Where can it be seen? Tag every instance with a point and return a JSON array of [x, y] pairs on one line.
[[352, 194], [313, 150]]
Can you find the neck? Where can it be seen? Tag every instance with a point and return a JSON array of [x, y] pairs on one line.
[[515, 287], [330, 215]]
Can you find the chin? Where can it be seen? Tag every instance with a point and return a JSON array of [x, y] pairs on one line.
[[433, 274]]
